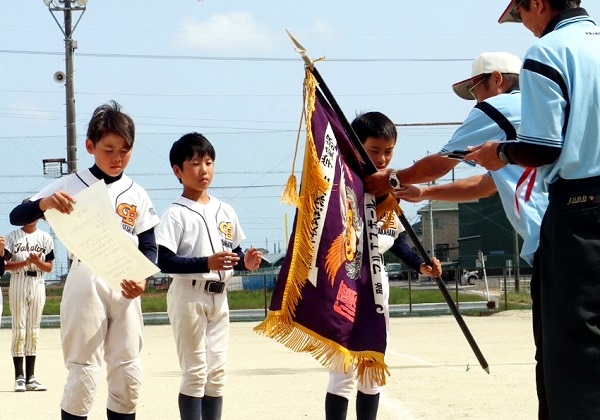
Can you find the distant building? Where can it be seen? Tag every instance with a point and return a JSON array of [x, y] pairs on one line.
[[442, 216], [484, 226], [461, 230]]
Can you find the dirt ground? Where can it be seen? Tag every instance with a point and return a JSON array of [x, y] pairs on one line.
[[434, 374]]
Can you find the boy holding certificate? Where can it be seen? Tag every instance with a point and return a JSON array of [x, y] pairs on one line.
[[97, 322]]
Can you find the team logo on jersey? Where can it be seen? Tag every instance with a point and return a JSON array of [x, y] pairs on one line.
[[128, 213], [226, 231], [392, 225], [20, 247], [226, 228]]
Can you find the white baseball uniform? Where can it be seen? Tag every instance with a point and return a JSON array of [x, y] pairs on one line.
[[1, 297], [200, 319], [96, 321], [27, 290], [342, 383]]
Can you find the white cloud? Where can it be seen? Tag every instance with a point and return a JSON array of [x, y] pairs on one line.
[[322, 28], [236, 32]]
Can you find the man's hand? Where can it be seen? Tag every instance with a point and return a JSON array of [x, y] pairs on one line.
[[485, 155], [131, 289], [409, 193], [2, 245], [378, 184]]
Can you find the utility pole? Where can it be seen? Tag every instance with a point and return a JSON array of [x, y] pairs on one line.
[[517, 263], [431, 227], [67, 7], [431, 220]]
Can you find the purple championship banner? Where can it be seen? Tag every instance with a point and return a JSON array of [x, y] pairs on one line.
[[328, 298]]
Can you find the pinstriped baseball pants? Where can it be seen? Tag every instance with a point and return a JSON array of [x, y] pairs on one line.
[[26, 296]]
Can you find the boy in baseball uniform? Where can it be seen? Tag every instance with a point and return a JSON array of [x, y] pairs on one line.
[[2, 264], [378, 135], [29, 253], [96, 322], [198, 242]]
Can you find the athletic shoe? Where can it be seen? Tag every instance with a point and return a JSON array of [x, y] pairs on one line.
[[34, 385], [20, 384]]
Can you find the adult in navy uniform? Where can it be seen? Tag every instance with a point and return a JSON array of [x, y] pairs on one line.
[[560, 134]]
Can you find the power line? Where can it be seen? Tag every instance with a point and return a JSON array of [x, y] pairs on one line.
[[249, 59]]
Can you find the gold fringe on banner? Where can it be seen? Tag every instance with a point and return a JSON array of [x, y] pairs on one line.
[[279, 324], [386, 208], [314, 184], [370, 365]]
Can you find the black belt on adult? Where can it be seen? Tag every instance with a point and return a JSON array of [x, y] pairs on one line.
[[33, 273], [212, 286]]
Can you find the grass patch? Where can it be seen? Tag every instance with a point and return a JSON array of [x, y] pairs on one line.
[[400, 295], [520, 300], [156, 300]]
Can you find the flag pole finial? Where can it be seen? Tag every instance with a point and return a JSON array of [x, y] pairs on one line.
[[308, 62]]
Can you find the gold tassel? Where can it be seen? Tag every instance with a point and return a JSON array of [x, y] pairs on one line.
[[386, 208], [290, 193]]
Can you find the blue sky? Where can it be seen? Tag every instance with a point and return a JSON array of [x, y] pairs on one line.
[[227, 69]]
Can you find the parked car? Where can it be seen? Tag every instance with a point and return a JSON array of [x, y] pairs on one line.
[[448, 276], [394, 271], [449, 271], [469, 277]]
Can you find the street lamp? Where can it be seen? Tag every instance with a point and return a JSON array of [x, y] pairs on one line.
[[67, 7]]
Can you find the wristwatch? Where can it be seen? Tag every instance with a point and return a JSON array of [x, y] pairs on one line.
[[394, 181], [502, 155]]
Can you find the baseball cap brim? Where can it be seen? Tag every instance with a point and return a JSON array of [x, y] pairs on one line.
[[506, 16], [462, 88]]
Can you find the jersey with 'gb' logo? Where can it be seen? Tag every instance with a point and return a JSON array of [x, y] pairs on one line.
[[131, 202], [192, 229]]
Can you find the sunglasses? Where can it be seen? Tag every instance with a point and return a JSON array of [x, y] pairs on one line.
[[472, 88], [515, 12]]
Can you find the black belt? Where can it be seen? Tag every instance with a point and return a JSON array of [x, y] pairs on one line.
[[33, 273], [212, 286]]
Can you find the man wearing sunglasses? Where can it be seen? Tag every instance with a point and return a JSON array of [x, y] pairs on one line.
[[494, 84], [560, 134]]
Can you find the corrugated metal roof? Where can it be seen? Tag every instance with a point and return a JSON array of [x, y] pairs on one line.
[[439, 206]]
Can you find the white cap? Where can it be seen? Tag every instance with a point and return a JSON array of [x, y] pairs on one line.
[[487, 63]]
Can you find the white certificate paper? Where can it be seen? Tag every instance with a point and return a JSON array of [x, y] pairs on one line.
[[93, 234]]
